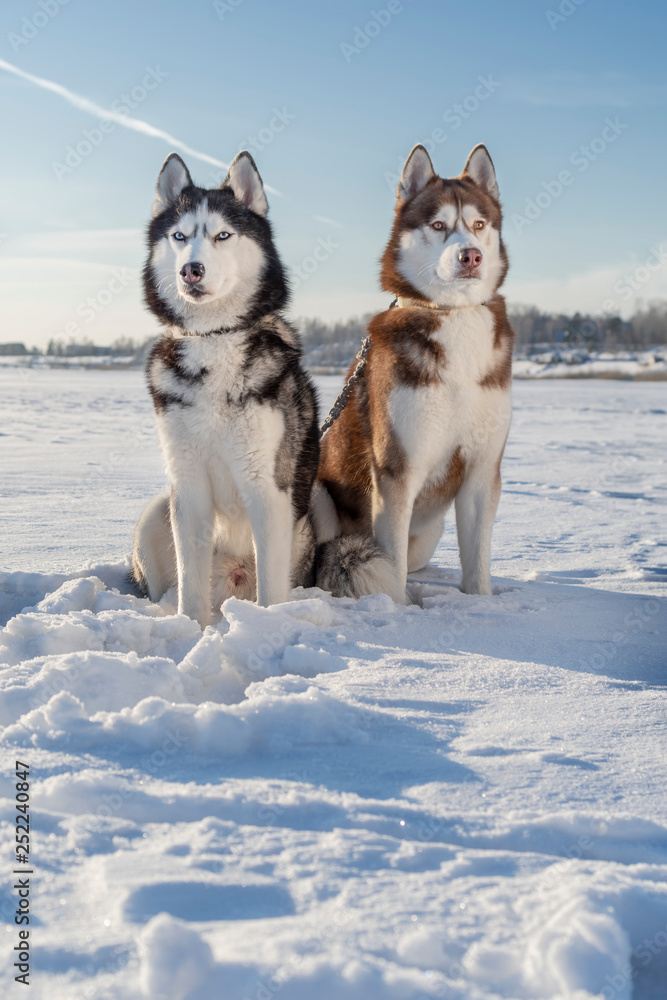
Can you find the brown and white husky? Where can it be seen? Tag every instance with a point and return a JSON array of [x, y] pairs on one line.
[[428, 420]]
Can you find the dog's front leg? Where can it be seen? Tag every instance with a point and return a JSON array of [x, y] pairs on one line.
[[192, 517], [392, 503], [272, 522], [476, 504]]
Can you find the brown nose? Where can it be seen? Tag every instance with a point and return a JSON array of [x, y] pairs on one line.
[[470, 258], [192, 273]]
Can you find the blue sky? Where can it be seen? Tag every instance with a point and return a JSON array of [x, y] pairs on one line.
[[333, 96]]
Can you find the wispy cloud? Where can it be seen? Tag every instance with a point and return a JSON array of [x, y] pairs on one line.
[[101, 245], [327, 221], [126, 121]]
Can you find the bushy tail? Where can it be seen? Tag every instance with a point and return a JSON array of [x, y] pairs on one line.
[[353, 565]]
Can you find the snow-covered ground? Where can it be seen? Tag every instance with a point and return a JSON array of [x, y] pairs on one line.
[[576, 363], [332, 799], [556, 362]]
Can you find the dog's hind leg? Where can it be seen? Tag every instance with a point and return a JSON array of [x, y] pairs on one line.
[[153, 554], [325, 516], [392, 512], [422, 544], [303, 553]]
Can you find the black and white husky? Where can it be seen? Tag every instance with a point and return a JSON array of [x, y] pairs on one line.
[[236, 413]]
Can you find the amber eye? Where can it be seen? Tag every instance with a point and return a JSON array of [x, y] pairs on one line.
[[437, 225], [479, 224]]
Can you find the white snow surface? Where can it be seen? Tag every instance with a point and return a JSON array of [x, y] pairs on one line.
[[575, 363], [464, 798], [558, 361]]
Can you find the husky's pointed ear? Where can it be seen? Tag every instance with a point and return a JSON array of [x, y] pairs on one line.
[[479, 167], [417, 172], [246, 184], [174, 176]]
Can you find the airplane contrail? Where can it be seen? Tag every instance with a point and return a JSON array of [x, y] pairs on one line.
[[135, 124]]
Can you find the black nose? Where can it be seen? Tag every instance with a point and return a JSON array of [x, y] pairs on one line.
[[192, 273], [470, 258]]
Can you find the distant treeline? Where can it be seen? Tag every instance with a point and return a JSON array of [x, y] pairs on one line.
[[123, 347], [646, 328], [333, 345]]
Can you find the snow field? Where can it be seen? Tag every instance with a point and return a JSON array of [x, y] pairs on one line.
[[464, 798]]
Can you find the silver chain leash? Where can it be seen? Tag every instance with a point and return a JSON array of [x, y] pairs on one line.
[[344, 394]]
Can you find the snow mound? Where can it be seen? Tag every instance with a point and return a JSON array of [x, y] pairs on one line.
[[98, 666], [270, 719]]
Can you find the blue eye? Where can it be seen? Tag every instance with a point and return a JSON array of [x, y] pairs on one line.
[[223, 236], [180, 237]]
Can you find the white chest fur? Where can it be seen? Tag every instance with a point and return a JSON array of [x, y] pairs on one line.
[[200, 370], [211, 425], [432, 421]]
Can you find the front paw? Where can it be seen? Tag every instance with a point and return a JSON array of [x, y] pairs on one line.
[[267, 598], [195, 611], [481, 587]]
